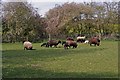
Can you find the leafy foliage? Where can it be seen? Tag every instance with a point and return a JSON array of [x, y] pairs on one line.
[[20, 20], [83, 18]]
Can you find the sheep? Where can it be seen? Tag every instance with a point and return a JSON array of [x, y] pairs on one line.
[[66, 45], [63, 42], [27, 45], [70, 43], [81, 39], [71, 39], [45, 44], [94, 41], [53, 43], [86, 41]]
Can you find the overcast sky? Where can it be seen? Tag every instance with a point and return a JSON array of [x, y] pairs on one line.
[[44, 5]]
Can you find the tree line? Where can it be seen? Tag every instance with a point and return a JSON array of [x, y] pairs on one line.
[[22, 21]]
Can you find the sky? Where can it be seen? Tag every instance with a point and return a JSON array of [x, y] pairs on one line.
[[44, 5]]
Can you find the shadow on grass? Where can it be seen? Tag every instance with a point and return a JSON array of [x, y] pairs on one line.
[[46, 53], [21, 72], [14, 57]]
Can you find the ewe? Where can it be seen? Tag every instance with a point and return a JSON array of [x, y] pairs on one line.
[[27, 45]]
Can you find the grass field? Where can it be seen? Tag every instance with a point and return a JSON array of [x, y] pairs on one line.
[[83, 62]]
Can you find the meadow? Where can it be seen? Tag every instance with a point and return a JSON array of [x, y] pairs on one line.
[[82, 62]]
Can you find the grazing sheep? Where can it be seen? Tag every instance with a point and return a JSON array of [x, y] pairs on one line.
[[81, 39], [94, 41], [70, 43], [86, 41], [27, 45], [53, 43], [44, 44], [63, 42], [69, 38], [66, 45]]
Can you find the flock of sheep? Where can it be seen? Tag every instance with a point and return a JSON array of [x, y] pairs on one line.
[[67, 44]]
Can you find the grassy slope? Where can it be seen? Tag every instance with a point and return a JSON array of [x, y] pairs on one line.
[[84, 61]]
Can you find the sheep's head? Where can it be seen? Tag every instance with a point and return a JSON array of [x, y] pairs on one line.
[[59, 41]]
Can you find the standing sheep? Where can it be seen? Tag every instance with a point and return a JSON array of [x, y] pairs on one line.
[[27, 45]]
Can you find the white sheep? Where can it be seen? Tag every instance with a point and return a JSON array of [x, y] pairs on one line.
[[27, 45], [79, 37], [86, 41]]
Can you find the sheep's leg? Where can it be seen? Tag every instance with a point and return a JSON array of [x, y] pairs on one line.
[[50, 45], [95, 44], [98, 44], [66, 47], [90, 44], [56, 46], [73, 46], [24, 48], [47, 45]]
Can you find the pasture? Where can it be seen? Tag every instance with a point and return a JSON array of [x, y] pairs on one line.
[[82, 62]]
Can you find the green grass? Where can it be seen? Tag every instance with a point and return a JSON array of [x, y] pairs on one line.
[[84, 61]]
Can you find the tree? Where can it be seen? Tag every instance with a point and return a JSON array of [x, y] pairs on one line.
[[59, 16], [21, 20]]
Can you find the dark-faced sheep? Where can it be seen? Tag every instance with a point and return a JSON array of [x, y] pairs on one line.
[[63, 42], [70, 43], [81, 39], [53, 43], [27, 45], [71, 39], [94, 41], [45, 44]]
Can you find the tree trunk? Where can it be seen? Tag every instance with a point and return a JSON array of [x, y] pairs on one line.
[[27, 38], [100, 36], [49, 36]]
